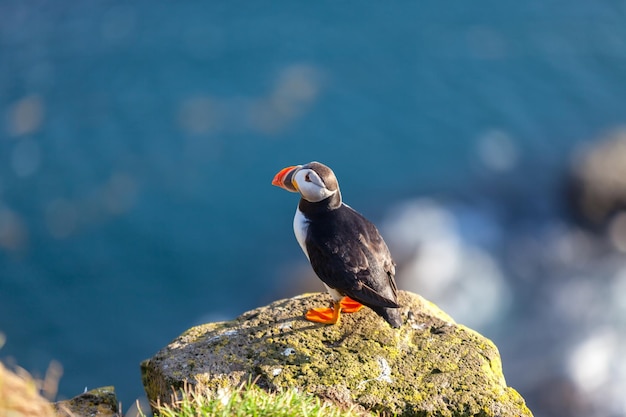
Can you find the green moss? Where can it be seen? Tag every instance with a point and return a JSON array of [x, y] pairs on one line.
[[250, 400], [428, 364], [100, 401]]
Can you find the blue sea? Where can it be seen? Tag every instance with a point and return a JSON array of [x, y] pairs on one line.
[[138, 141]]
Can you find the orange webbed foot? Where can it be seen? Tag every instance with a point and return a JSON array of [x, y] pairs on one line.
[[324, 315], [348, 305]]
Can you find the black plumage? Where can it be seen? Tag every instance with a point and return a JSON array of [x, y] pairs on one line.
[[348, 254], [345, 249]]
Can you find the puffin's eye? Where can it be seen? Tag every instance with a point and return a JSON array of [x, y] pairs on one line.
[[307, 177]]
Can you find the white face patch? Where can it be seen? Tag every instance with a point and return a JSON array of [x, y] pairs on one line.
[[311, 186]]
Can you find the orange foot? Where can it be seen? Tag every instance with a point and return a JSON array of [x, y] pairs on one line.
[[348, 305], [331, 315], [324, 315]]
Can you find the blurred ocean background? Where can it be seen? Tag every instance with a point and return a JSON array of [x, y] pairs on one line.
[[138, 141]]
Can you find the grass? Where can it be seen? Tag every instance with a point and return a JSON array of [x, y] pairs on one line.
[[250, 400], [20, 395]]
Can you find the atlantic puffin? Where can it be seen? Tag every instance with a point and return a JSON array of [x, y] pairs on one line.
[[345, 249]]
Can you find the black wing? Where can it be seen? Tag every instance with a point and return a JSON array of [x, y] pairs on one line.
[[349, 255]]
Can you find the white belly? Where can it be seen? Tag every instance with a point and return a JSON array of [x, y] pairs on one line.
[[300, 227], [334, 293]]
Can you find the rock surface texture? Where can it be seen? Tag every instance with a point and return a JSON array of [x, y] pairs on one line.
[[431, 366], [99, 402], [597, 183]]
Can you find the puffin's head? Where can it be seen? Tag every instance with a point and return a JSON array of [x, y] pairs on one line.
[[314, 181]]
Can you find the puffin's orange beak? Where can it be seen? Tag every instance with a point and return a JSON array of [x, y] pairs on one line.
[[284, 178]]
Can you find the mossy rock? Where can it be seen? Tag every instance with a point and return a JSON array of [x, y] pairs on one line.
[[431, 366], [99, 402]]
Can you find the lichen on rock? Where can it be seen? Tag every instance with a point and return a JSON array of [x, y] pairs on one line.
[[98, 402], [431, 366]]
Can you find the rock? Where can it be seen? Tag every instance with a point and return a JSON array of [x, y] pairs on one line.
[[19, 396], [99, 402], [597, 183], [430, 366]]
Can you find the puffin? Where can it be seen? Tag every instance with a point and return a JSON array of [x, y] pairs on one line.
[[345, 249]]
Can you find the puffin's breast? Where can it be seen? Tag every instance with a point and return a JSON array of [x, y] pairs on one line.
[[300, 229]]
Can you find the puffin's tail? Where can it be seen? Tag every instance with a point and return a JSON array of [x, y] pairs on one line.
[[391, 315]]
